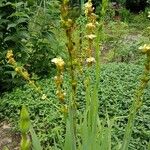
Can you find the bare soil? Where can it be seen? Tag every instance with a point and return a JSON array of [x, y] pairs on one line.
[[8, 138]]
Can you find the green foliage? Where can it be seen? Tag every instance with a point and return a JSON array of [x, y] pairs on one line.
[[42, 44], [124, 14], [13, 27], [139, 21], [127, 48], [116, 91], [35, 140], [122, 40], [29, 30]]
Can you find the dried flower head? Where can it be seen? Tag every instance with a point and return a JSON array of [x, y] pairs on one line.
[[59, 62]]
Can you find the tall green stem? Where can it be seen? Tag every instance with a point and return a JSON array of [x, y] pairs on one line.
[[137, 103]]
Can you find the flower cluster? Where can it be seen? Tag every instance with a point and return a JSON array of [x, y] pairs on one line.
[[21, 70], [10, 57], [59, 81], [66, 21], [90, 27], [88, 8], [69, 25]]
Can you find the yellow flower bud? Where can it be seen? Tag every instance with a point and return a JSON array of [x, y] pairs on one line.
[[9, 54], [11, 61], [61, 95], [64, 109], [24, 120]]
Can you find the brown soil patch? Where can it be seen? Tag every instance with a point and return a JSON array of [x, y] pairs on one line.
[[8, 138]]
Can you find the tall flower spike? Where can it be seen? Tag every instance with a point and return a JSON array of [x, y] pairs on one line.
[[90, 27]]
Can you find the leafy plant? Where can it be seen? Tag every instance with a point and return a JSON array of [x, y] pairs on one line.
[[13, 28], [28, 29], [42, 44]]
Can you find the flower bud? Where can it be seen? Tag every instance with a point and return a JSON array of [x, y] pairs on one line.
[[24, 120]]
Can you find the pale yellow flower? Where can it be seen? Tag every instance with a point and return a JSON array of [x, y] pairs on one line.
[[90, 60], [145, 48], [59, 62], [90, 26], [44, 96], [91, 36]]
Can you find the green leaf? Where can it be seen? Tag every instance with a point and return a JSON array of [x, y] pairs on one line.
[[35, 140], [5, 148]]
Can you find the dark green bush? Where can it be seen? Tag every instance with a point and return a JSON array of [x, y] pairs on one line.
[[28, 29], [136, 5], [43, 42], [116, 91], [13, 27]]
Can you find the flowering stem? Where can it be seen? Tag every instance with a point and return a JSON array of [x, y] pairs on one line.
[[68, 25], [137, 103]]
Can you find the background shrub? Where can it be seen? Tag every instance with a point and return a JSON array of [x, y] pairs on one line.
[[28, 29]]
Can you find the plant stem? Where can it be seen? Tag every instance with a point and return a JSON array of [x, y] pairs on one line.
[[136, 105]]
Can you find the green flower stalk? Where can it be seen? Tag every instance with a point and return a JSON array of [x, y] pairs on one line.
[[59, 83], [23, 73], [137, 103], [90, 27], [68, 25]]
